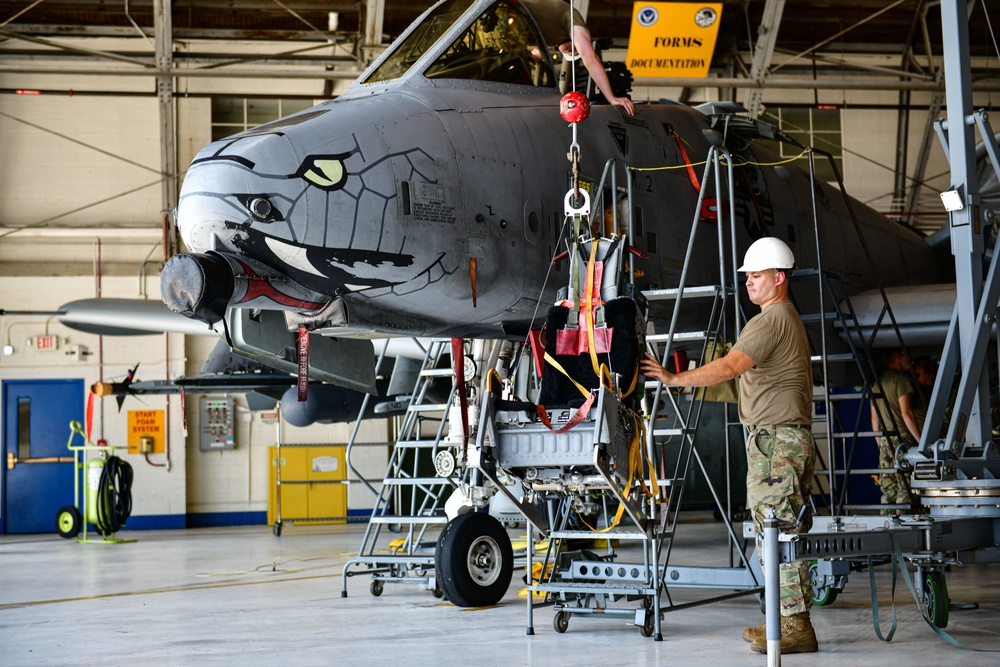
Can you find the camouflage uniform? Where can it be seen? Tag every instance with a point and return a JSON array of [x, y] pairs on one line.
[[895, 489], [776, 405], [781, 461]]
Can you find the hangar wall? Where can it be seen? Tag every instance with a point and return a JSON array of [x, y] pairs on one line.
[[161, 494]]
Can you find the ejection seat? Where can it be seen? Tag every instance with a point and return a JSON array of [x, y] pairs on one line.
[[585, 433]]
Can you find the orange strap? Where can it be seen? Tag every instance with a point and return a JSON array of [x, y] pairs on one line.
[[600, 370], [690, 168]]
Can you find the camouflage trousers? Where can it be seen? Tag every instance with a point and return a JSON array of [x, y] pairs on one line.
[[895, 489], [780, 465]]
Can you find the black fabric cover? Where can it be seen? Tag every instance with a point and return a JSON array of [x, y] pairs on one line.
[[557, 391]]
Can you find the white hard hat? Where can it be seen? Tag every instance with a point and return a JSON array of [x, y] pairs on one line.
[[767, 253]]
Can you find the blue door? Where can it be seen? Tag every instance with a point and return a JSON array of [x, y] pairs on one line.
[[36, 417]]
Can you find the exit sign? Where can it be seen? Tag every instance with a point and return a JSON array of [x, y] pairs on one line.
[[46, 342]]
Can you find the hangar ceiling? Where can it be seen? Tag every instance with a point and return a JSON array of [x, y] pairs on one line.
[[817, 44], [820, 28]]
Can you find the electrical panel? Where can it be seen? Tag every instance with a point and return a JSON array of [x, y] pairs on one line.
[[216, 421]]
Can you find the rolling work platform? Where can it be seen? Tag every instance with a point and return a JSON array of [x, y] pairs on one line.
[[603, 453], [399, 541], [578, 456]]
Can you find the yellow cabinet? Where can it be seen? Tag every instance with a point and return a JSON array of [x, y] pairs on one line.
[[312, 484]]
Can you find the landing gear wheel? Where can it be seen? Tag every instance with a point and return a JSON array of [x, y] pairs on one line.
[[561, 622], [474, 560], [823, 595], [377, 587], [277, 528], [935, 599], [68, 522], [648, 621]]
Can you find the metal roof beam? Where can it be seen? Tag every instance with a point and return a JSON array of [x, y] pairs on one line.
[[767, 37]]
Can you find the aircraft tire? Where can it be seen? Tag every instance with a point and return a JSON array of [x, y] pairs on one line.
[[474, 560]]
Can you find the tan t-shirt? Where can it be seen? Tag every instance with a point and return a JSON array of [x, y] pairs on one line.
[[553, 19], [778, 389], [895, 384]]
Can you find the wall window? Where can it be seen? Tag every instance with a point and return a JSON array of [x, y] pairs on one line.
[[819, 128], [231, 115]]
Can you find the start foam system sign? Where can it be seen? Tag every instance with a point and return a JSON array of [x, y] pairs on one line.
[[672, 39], [145, 432]]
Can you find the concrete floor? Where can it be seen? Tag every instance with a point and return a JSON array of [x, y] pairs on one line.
[[229, 596]]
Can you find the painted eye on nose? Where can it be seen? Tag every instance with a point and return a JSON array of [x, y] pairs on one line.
[[326, 172]]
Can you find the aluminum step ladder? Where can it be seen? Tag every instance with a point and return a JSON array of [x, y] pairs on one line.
[[679, 441], [838, 341], [410, 503]]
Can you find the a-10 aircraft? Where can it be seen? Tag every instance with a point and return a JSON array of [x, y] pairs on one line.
[[427, 200], [430, 200]]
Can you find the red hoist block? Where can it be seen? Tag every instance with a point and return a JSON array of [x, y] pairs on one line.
[[574, 107]]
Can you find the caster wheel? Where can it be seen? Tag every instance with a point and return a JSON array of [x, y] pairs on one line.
[[277, 529], [823, 595], [377, 587], [560, 621], [648, 623], [68, 522], [935, 599]]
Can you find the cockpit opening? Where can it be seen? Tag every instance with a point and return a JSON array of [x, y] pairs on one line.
[[502, 45]]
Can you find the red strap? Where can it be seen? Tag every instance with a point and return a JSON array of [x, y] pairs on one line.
[[458, 360], [537, 350], [574, 420], [302, 379], [89, 417]]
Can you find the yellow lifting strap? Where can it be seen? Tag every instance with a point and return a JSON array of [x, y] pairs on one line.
[[637, 455]]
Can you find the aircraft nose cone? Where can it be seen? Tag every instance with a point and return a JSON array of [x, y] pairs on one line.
[[226, 184], [197, 286]]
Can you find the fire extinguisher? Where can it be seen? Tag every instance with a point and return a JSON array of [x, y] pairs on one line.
[[109, 494]]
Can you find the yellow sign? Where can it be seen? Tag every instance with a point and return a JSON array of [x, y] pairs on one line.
[[145, 432], [672, 39]]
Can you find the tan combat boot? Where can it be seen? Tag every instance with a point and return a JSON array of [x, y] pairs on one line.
[[754, 634], [797, 636]]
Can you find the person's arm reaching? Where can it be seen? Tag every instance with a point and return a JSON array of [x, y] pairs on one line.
[[581, 37], [725, 368], [906, 407]]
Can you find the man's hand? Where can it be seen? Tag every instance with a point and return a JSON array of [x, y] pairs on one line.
[[625, 103], [651, 368]]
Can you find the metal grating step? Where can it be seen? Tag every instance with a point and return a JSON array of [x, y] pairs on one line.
[[437, 372], [410, 520], [680, 337], [419, 481], [840, 357], [689, 292]]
